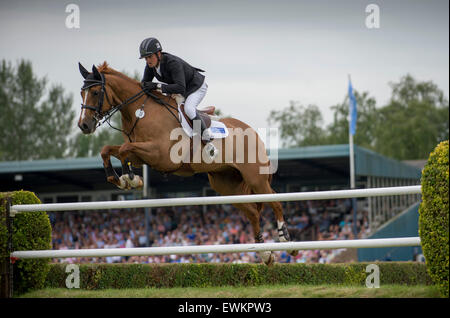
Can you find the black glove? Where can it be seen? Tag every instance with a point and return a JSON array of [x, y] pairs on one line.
[[149, 86]]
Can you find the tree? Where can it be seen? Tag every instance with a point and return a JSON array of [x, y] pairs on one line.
[[299, 125], [90, 145], [408, 127], [337, 131], [302, 126], [33, 125], [414, 121]]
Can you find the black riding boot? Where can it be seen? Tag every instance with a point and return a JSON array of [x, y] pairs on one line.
[[203, 127], [210, 149]]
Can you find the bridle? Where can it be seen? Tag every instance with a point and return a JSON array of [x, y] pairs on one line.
[[106, 116], [99, 114]]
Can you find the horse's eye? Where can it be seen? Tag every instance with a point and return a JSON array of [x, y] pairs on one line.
[[95, 93]]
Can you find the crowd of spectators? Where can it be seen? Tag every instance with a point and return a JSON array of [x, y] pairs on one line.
[[221, 224]]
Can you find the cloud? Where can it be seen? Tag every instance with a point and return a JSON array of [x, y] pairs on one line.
[[259, 55]]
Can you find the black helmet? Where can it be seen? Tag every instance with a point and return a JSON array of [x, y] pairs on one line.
[[149, 46]]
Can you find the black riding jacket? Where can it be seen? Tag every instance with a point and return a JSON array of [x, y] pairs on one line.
[[179, 76]]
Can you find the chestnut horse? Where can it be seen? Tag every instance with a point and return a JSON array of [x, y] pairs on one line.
[[148, 141]]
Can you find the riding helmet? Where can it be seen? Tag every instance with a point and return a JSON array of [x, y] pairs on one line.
[[149, 46]]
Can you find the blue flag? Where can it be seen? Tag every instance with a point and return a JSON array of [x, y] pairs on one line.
[[352, 105]]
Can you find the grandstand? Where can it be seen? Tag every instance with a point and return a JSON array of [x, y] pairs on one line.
[[299, 169]]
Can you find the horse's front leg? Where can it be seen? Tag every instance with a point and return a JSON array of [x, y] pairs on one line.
[[142, 152], [111, 175], [129, 179]]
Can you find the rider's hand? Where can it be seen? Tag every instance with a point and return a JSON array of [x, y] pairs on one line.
[[149, 86]]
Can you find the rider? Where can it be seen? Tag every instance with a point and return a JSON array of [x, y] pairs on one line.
[[177, 77]]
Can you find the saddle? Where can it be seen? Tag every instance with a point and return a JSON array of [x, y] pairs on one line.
[[203, 114]]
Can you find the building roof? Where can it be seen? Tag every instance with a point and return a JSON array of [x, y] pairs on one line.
[[54, 164], [367, 162], [314, 165]]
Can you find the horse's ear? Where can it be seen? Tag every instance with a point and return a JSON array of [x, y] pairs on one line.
[[84, 72], [96, 73]]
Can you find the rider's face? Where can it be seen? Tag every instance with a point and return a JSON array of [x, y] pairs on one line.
[[151, 60]]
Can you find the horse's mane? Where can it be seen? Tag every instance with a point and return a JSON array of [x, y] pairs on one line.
[[105, 69]]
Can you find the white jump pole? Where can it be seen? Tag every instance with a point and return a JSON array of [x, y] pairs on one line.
[[222, 248], [295, 196]]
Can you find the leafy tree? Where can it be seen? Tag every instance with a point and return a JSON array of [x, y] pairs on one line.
[[337, 131], [299, 125], [414, 121], [408, 127], [90, 145], [303, 126], [33, 125]]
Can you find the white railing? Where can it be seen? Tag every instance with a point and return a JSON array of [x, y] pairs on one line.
[[227, 248], [295, 196], [223, 248]]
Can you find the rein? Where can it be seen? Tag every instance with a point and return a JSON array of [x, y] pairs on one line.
[[106, 116]]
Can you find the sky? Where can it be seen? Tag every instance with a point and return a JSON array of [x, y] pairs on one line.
[[258, 55]]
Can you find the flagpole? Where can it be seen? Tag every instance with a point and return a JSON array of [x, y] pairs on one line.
[[350, 137], [352, 162]]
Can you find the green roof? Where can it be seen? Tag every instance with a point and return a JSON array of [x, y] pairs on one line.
[[370, 163], [367, 162], [54, 164], [310, 152]]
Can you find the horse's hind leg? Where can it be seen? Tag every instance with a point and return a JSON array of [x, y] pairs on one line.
[[283, 234], [253, 214], [261, 185], [229, 183]]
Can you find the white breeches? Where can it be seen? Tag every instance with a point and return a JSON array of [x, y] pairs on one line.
[[193, 100]]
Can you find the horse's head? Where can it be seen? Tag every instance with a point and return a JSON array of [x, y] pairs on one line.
[[96, 102]]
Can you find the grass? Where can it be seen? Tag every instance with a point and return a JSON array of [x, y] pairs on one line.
[[272, 291]]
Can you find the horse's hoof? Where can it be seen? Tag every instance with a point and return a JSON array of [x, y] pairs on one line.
[[124, 185], [140, 183], [134, 183], [271, 260], [268, 258], [293, 252], [112, 179]]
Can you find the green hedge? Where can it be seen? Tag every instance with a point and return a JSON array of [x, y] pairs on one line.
[[104, 276], [30, 231], [433, 216]]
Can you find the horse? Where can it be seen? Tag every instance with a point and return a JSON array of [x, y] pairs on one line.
[[148, 118]]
